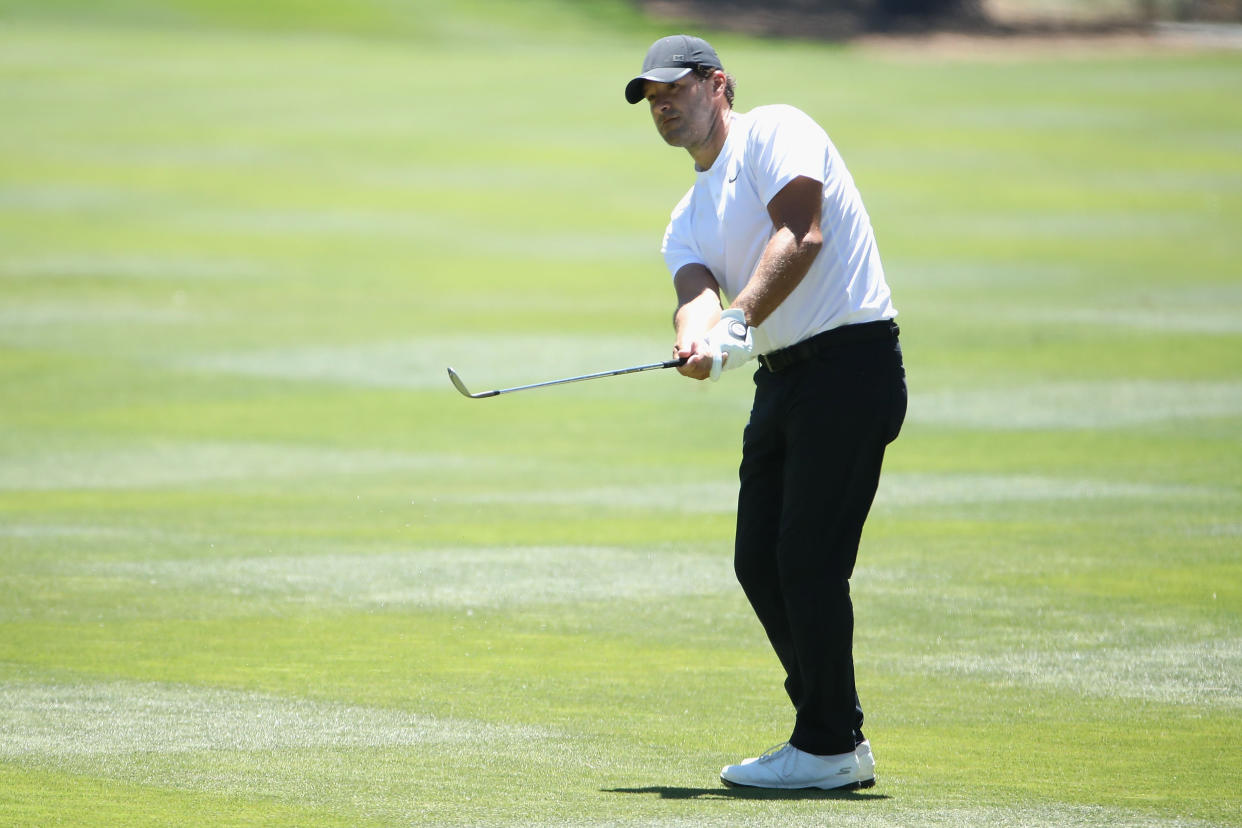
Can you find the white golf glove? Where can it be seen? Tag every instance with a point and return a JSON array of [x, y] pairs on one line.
[[729, 342]]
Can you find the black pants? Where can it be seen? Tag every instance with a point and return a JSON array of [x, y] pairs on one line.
[[811, 460]]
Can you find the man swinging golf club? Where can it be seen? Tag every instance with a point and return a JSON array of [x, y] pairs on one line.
[[775, 224]]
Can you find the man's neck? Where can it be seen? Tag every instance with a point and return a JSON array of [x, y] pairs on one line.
[[706, 153]]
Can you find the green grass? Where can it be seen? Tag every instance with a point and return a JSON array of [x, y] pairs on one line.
[[260, 564]]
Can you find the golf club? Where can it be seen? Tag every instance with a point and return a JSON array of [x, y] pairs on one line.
[[461, 386]]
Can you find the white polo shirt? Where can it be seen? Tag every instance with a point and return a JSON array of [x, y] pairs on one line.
[[723, 224]]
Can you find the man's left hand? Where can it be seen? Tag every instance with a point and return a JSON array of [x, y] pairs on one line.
[[730, 342]]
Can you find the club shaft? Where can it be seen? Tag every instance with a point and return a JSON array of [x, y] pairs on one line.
[[672, 363]]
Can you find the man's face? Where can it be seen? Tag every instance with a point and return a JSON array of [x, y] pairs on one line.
[[682, 110]]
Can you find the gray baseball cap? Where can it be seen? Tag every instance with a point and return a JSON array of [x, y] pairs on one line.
[[672, 58]]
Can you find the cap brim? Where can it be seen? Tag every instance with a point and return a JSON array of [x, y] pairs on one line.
[[634, 89]]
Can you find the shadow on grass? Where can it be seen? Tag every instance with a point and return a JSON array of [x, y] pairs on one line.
[[670, 792]]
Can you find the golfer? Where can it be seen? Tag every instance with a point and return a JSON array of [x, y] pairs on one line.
[[775, 224]]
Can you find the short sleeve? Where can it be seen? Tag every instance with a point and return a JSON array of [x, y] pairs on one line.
[[784, 143], [678, 247]]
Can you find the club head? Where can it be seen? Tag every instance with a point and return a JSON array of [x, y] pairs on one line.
[[465, 392]]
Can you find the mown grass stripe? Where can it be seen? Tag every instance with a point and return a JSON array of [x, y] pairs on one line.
[[127, 717]]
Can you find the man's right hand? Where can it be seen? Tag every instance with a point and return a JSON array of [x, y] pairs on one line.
[[698, 310], [698, 360]]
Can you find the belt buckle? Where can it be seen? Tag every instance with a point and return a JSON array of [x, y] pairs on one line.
[[774, 366]]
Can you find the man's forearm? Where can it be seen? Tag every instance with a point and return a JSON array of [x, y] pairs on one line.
[[785, 262], [695, 318], [698, 309], [698, 303], [792, 247]]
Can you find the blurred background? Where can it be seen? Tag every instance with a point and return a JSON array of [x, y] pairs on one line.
[[261, 564]]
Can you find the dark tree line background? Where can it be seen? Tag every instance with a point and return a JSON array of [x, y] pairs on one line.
[[840, 19]]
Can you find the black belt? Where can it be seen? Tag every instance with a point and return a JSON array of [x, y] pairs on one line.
[[781, 359]]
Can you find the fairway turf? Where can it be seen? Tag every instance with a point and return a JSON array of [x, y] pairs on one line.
[[261, 564]]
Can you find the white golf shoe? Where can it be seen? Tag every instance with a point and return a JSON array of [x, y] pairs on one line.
[[866, 765], [787, 768]]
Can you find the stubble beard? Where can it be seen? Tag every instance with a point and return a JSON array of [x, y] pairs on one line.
[[678, 134], [685, 135]]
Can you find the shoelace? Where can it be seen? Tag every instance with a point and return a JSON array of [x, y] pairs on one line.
[[772, 752]]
